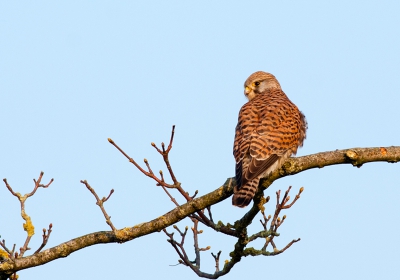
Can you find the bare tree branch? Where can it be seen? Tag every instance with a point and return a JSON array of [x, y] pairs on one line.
[[28, 225], [356, 157]]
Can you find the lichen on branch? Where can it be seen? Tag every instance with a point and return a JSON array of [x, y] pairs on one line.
[[193, 208]]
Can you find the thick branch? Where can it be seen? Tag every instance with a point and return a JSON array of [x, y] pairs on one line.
[[120, 236], [356, 157]]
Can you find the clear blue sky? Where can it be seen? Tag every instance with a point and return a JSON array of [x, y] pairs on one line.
[[73, 74]]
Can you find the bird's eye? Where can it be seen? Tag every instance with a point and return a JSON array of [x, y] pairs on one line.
[[257, 83]]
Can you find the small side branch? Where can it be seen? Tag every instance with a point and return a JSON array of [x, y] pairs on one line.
[[46, 237], [28, 225], [197, 249], [180, 249], [100, 203], [276, 221], [216, 258], [175, 185], [3, 245], [165, 154], [253, 252], [149, 173]]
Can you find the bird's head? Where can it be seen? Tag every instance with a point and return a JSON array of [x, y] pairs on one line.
[[258, 83]]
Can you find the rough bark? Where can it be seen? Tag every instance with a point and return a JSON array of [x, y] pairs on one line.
[[356, 157]]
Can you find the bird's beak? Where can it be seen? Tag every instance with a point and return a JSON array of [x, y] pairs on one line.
[[247, 90]]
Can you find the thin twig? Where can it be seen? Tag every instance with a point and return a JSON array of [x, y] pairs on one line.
[[38, 185], [195, 193], [209, 213], [148, 174], [100, 203], [25, 248], [161, 182], [216, 258], [276, 221], [165, 153], [3, 245], [170, 196], [45, 238], [288, 246], [196, 242]]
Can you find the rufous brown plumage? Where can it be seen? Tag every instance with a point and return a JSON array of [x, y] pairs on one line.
[[270, 129]]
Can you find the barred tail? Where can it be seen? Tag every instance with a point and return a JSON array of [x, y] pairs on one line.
[[243, 196]]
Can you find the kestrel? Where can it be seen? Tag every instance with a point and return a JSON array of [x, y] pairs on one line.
[[270, 129]]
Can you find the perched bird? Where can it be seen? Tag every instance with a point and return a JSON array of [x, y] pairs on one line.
[[270, 129]]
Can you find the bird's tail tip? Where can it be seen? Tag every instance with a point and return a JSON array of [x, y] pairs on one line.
[[241, 200]]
